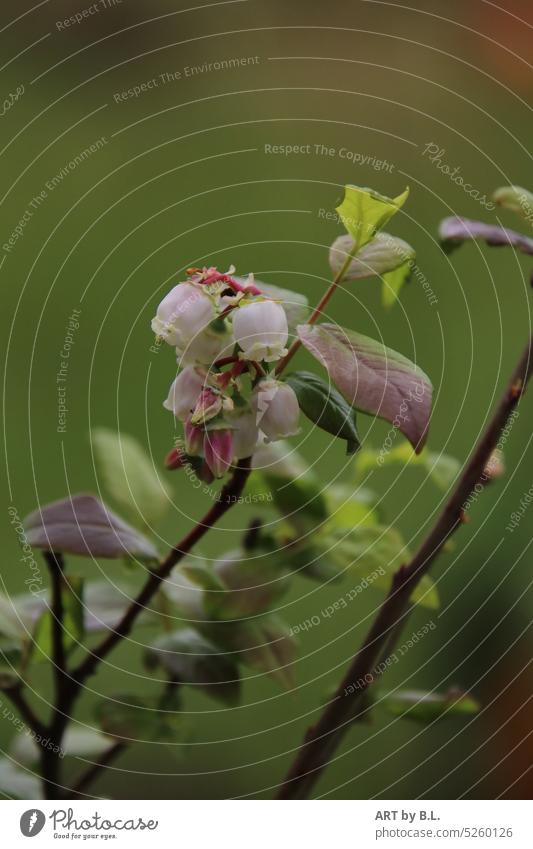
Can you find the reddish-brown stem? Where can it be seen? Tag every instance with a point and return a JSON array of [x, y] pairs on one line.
[[317, 312], [228, 496], [323, 738]]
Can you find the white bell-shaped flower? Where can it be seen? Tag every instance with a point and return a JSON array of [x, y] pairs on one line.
[[245, 434], [184, 392], [260, 328], [276, 408], [185, 312], [204, 348]]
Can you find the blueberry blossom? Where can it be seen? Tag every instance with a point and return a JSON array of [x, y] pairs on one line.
[[260, 328], [245, 434], [185, 392], [276, 409], [194, 438], [218, 451], [185, 312]]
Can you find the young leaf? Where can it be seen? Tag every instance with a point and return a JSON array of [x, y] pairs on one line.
[[265, 644], [84, 525], [364, 211], [442, 468], [300, 501], [191, 659], [104, 604], [379, 550], [454, 231], [252, 583], [393, 282], [427, 707], [325, 407], [129, 475], [77, 742], [516, 199], [373, 378]]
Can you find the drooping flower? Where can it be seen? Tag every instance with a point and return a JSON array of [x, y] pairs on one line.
[[194, 438], [208, 405], [184, 392], [261, 329], [218, 451], [204, 348], [185, 312], [174, 460], [276, 409], [245, 434]]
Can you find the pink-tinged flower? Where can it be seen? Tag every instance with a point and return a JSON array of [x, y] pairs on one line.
[[204, 348], [174, 460], [218, 451], [194, 438], [261, 330], [276, 408], [186, 311], [185, 392], [208, 406], [245, 434]]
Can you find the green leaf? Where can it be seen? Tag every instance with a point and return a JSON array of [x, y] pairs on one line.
[[426, 707], [129, 475], [83, 525], [351, 507], [191, 659], [132, 719], [17, 783], [364, 211], [252, 582], [264, 644], [73, 620], [442, 468], [393, 282], [373, 378], [301, 502], [516, 199], [381, 551], [325, 407]]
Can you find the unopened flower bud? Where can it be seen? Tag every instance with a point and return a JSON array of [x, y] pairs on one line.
[[184, 392], [194, 438], [174, 460], [208, 406], [185, 312], [276, 408], [261, 330], [218, 451], [495, 466]]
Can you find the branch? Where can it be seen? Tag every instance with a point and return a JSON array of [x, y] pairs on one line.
[[323, 738], [229, 495], [16, 696], [89, 776], [55, 567]]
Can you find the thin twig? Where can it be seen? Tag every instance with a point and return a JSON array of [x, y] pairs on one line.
[[323, 738], [54, 561], [229, 495], [89, 776], [317, 312]]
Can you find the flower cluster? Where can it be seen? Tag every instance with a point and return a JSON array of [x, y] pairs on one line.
[[227, 334]]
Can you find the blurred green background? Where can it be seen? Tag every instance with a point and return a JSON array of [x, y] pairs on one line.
[[183, 179]]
